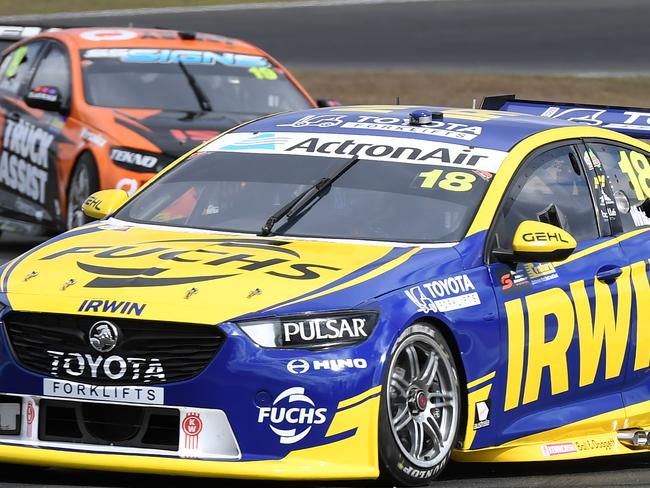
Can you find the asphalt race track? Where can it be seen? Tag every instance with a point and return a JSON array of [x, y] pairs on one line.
[[576, 36]]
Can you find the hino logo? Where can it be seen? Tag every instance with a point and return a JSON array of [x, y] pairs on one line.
[[300, 366], [292, 415], [103, 336], [112, 367]]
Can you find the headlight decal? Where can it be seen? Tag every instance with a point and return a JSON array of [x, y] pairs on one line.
[[312, 331]]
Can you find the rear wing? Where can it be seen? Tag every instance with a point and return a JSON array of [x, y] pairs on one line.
[[632, 121]]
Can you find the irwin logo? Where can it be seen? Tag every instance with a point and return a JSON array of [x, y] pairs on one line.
[[112, 306], [578, 336]]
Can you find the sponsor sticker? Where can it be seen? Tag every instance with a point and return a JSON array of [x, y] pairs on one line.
[[292, 415], [31, 416], [439, 128], [99, 35], [110, 367], [445, 295], [24, 159], [379, 148], [558, 449], [128, 394], [300, 366], [482, 414], [192, 426], [185, 56]]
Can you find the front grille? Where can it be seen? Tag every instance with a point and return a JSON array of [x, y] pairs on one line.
[[146, 351], [109, 425]]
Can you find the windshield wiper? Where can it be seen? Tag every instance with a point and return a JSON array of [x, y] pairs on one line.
[[196, 88], [305, 198]]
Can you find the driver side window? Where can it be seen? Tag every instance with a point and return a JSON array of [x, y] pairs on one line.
[[54, 71], [552, 188], [17, 66]]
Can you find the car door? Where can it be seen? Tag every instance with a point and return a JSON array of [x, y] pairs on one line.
[[628, 174], [555, 367], [21, 177], [54, 145]]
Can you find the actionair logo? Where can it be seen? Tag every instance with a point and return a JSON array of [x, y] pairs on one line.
[[292, 415], [263, 142]]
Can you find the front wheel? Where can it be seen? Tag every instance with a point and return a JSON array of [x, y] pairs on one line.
[[420, 408], [83, 183]]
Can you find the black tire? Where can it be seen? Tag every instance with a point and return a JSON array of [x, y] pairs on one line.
[[83, 182], [421, 399]]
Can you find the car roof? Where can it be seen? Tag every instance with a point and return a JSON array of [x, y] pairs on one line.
[[474, 128], [122, 37]]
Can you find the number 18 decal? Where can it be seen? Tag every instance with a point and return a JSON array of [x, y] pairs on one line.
[[636, 167]]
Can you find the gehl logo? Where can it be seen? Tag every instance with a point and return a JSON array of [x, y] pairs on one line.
[[214, 254], [605, 326], [544, 237]]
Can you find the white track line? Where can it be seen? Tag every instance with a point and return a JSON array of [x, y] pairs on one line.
[[207, 8]]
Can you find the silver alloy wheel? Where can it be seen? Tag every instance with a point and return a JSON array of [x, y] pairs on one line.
[[79, 191], [423, 400]]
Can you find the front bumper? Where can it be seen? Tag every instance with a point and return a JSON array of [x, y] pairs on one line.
[[246, 429]]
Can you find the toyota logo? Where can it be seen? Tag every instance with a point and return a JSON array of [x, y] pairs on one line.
[[103, 336]]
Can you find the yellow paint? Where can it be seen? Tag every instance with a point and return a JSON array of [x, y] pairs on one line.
[[359, 398], [552, 353], [604, 328], [601, 246], [481, 380], [365, 277], [223, 275], [642, 292], [516, 341], [352, 458], [473, 398]]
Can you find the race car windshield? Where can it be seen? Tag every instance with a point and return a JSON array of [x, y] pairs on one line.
[[372, 200], [126, 78]]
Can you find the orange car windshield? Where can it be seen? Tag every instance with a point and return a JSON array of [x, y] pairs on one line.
[[155, 79]]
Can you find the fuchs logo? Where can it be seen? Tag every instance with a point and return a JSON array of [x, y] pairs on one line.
[[272, 258], [265, 142], [103, 336], [292, 415]]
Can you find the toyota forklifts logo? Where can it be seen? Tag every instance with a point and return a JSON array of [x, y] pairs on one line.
[[292, 415], [103, 336]]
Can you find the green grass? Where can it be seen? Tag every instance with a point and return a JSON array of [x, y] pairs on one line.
[[30, 7]]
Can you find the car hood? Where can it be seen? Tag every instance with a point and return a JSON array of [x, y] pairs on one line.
[[157, 131], [152, 273]]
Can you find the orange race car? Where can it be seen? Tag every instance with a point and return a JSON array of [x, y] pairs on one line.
[[96, 108]]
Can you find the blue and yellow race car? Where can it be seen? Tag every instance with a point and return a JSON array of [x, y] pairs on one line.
[[345, 293]]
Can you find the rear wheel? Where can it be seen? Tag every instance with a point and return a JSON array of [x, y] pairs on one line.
[[84, 182], [420, 408]]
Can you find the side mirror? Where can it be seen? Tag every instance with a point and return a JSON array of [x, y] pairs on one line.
[[538, 242], [327, 102], [103, 203], [45, 98]]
